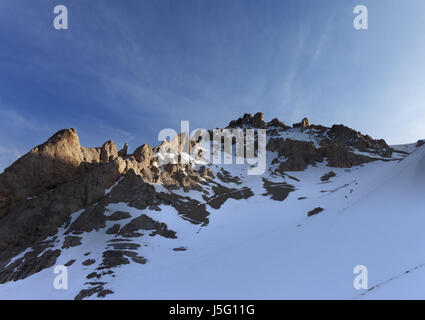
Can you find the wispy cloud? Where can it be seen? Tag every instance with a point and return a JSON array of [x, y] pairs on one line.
[[323, 40], [7, 156], [19, 134]]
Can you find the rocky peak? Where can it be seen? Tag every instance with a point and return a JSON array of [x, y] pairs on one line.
[[123, 152], [256, 121], [64, 144], [108, 151], [143, 154], [304, 124], [59, 160], [49, 164], [277, 123]]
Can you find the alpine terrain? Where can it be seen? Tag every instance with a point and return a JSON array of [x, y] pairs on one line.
[[129, 226]]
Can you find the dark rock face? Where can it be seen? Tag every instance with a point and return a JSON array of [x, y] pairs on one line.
[[118, 215], [32, 220], [256, 121], [342, 135], [97, 288], [277, 123], [144, 222], [299, 154], [221, 194], [113, 230], [420, 143], [32, 262], [278, 191], [342, 157], [226, 177], [115, 258], [244, 121]]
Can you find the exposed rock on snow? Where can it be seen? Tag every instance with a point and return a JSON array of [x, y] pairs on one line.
[[278, 191], [314, 211], [327, 176], [293, 155], [277, 123], [303, 125], [342, 135]]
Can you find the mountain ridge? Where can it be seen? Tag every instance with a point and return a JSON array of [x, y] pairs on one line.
[[42, 192]]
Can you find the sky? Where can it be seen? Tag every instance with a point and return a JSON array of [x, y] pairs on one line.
[[125, 70]]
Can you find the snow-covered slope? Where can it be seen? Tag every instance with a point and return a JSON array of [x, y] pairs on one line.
[[262, 247]]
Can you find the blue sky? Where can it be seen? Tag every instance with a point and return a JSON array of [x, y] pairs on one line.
[[127, 69]]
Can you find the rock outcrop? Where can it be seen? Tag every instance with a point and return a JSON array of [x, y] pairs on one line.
[[57, 161], [256, 121], [143, 155], [295, 155], [277, 123], [343, 135], [40, 191], [123, 152], [303, 125], [108, 152]]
